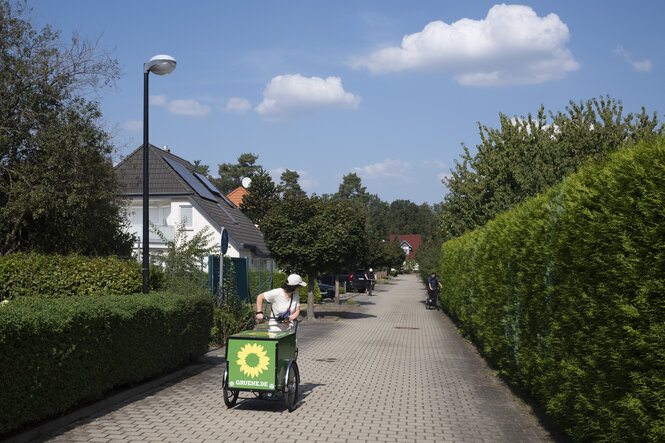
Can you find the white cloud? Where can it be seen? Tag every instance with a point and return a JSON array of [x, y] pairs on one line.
[[238, 105], [288, 96], [512, 45], [158, 100], [188, 107], [639, 66], [132, 125], [387, 170]]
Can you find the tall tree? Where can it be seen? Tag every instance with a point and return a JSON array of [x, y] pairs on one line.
[[262, 197], [527, 155], [311, 236], [231, 174], [57, 187], [289, 186]]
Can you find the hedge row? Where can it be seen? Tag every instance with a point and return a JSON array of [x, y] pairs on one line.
[[565, 295], [60, 276], [57, 353]]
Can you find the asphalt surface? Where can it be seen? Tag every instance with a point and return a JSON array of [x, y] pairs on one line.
[[382, 369]]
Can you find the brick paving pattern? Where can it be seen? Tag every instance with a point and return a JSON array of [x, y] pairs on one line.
[[387, 371]]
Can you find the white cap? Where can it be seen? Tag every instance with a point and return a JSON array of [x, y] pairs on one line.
[[370, 270], [295, 280]]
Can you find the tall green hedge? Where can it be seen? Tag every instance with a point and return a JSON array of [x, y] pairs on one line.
[[565, 295], [56, 353], [60, 276]]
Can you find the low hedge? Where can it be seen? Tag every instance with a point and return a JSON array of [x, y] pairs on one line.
[[565, 295], [61, 276], [58, 353]]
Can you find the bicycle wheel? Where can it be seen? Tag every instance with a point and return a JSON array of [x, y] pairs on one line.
[[230, 395], [292, 387]]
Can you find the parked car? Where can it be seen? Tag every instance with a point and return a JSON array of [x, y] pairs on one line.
[[327, 291], [357, 281]]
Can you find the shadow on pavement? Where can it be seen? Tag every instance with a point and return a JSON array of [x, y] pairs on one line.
[[275, 402]]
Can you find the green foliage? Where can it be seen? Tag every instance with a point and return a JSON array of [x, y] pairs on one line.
[[564, 294], [230, 317], [231, 175], [289, 186], [428, 257], [309, 236], [182, 261], [528, 155], [57, 186], [262, 197], [62, 276], [58, 353]]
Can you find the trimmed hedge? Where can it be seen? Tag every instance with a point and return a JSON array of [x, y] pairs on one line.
[[565, 295], [58, 353], [61, 276]]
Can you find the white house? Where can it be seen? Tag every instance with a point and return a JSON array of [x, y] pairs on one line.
[[180, 194]]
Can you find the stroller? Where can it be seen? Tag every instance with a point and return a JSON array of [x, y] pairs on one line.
[[432, 301]]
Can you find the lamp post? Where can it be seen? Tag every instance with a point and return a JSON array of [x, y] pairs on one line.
[[160, 65]]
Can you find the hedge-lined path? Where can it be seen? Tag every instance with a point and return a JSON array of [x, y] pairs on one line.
[[387, 371]]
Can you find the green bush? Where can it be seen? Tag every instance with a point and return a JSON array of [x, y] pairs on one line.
[[232, 316], [61, 276], [564, 295], [58, 353]]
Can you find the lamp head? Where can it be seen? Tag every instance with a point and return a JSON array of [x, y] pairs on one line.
[[160, 64]]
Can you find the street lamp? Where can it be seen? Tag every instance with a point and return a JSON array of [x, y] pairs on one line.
[[160, 65]]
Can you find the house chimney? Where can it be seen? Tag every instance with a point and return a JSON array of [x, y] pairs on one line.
[[166, 148]]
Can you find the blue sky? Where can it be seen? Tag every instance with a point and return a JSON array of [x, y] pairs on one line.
[[386, 89]]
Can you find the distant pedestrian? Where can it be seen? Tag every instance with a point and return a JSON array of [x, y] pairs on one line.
[[371, 279], [433, 286]]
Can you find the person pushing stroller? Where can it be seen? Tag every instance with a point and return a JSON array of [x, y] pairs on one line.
[[433, 286]]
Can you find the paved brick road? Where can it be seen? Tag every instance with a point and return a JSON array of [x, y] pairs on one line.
[[388, 371]]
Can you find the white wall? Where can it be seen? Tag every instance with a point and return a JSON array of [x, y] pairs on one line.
[[166, 214]]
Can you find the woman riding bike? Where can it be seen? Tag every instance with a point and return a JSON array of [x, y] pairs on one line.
[[285, 302]]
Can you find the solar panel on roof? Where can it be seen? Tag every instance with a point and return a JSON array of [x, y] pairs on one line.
[[207, 182], [212, 187], [192, 181]]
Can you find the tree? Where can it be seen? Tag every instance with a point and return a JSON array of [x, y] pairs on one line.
[[406, 217], [231, 175], [528, 155], [311, 236], [262, 197], [289, 186], [201, 168], [57, 187]]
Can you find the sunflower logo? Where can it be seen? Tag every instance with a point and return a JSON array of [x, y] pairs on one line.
[[252, 359]]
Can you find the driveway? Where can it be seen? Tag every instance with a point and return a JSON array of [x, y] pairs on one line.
[[381, 370]]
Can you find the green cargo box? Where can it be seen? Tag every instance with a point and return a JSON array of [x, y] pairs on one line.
[[259, 360]]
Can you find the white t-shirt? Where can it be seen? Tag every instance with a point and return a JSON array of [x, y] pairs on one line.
[[280, 304]]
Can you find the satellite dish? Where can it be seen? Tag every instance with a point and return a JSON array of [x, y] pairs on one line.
[[246, 182]]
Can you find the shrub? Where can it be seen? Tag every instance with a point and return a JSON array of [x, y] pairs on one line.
[[232, 316], [564, 295], [61, 276], [57, 353]]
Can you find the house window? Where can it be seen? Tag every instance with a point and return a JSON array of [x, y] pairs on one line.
[[186, 216]]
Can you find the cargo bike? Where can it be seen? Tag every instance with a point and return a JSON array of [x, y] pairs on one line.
[[263, 363]]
